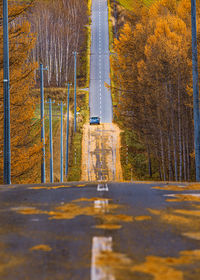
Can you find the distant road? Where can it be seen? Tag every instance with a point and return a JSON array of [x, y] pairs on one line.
[[100, 97], [101, 153]]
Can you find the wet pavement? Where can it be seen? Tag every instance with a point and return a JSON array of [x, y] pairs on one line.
[[99, 231]]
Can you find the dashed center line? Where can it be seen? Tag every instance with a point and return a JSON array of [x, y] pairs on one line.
[[102, 187]]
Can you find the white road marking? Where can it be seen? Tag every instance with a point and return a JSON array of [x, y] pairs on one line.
[[102, 187], [100, 244], [101, 205]]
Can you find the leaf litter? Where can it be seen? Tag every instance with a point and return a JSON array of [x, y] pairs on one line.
[[105, 212], [160, 268]]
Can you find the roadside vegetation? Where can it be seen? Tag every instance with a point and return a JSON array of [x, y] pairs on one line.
[[60, 28], [153, 88], [25, 154], [127, 4], [75, 155], [45, 32], [130, 5]]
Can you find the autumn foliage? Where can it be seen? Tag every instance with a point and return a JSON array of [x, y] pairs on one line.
[[153, 85], [25, 149]]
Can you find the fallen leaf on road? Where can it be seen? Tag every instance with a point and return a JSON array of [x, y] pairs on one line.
[[108, 226], [94, 207], [178, 187], [117, 218], [142, 218], [192, 235], [30, 211], [160, 268], [172, 188], [184, 197], [49, 188], [90, 199], [188, 212], [41, 247]]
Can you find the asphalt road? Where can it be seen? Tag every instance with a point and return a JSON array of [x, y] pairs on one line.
[[100, 97], [93, 231], [100, 158]]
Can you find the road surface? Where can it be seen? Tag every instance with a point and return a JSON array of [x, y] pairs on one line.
[[100, 97], [98, 231], [101, 153], [100, 148]]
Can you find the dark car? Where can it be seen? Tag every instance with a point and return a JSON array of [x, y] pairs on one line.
[[94, 120]]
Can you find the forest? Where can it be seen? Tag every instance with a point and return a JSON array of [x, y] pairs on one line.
[[60, 28], [152, 69], [152, 81], [40, 31]]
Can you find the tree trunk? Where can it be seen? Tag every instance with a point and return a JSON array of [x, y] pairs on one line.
[[184, 159], [188, 157], [169, 158], [149, 161], [162, 155], [179, 132]]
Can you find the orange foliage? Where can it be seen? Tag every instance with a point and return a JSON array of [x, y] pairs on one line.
[[153, 77], [25, 149]]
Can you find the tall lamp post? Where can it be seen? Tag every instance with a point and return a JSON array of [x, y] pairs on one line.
[[61, 141], [75, 60], [50, 139], [42, 122], [67, 132], [7, 151], [195, 90]]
